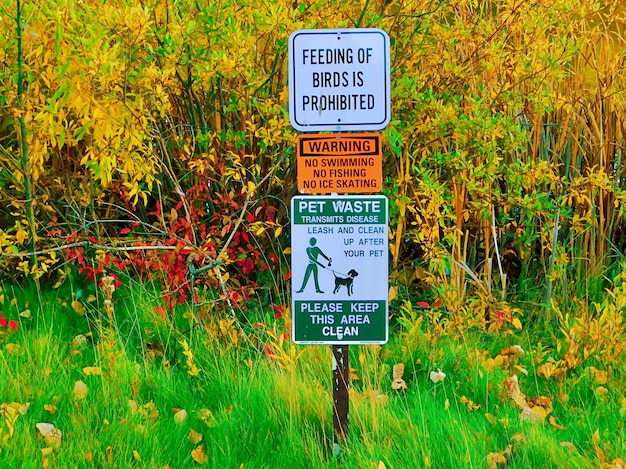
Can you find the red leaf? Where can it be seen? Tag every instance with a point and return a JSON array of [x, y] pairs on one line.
[[13, 324], [3, 322], [124, 231], [437, 303], [423, 304]]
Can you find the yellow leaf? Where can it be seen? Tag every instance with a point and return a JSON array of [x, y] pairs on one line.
[[206, 416], [199, 455], [491, 419], [393, 293], [534, 414], [496, 459], [12, 348], [78, 307], [398, 370], [80, 390], [514, 350], [47, 451], [194, 437], [136, 456], [51, 435], [381, 465], [50, 408], [601, 377], [20, 236], [92, 370], [556, 426], [180, 416], [278, 231], [601, 392], [516, 323]]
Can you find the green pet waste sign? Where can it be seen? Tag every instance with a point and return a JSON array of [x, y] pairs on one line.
[[340, 269]]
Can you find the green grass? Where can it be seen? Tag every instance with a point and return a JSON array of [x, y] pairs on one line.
[[264, 415]]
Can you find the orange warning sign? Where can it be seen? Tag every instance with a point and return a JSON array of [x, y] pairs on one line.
[[341, 163]]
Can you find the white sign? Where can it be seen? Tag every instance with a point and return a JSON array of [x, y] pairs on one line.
[[339, 79], [340, 269]]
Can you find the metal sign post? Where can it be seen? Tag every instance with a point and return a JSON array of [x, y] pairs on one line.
[[341, 394], [339, 80]]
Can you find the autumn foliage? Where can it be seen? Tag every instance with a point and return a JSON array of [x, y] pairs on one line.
[[152, 138]]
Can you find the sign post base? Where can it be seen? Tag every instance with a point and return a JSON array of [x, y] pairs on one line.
[[341, 395]]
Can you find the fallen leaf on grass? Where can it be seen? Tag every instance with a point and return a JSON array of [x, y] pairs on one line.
[[78, 307], [533, 414], [500, 458], [596, 443], [513, 391], [556, 426], [542, 401], [13, 349], [80, 390], [206, 416], [194, 437], [51, 435], [437, 376], [513, 350], [601, 392], [495, 459], [92, 371], [50, 408], [180, 416], [199, 455], [11, 411], [398, 383], [471, 405]]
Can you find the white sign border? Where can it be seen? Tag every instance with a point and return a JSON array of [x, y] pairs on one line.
[[333, 126], [386, 299]]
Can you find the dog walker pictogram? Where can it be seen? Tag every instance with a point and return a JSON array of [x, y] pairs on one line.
[[313, 252]]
